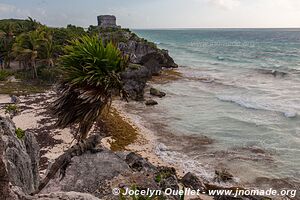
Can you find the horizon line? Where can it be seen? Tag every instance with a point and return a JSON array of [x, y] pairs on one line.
[[215, 28], [168, 28]]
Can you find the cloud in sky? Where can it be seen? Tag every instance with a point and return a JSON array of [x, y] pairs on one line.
[[6, 8], [225, 4]]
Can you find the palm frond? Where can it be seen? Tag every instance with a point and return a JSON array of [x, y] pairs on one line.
[[91, 75]]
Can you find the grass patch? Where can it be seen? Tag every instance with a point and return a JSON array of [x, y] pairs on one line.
[[21, 88], [122, 133], [4, 74]]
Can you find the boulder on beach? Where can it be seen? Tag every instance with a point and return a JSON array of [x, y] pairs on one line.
[[190, 180]]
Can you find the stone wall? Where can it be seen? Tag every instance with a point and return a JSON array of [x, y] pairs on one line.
[[106, 21]]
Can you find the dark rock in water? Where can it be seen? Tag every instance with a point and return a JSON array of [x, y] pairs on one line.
[[156, 92], [275, 73], [223, 176], [151, 102], [190, 180], [156, 60], [20, 158]]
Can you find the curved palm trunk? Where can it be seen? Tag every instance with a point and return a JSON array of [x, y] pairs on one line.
[[35, 75], [63, 161], [84, 129]]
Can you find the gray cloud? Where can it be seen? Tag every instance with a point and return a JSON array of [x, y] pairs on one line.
[[6, 8]]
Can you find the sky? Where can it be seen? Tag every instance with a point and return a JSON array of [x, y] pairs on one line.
[[159, 13]]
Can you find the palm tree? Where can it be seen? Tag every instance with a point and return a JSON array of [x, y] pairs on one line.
[[91, 76], [48, 47], [6, 39], [32, 24], [26, 48]]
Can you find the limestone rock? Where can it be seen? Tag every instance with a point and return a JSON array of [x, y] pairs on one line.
[[134, 81], [66, 196], [190, 180], [19, 159], [137, 163], [150, 59], [87, 173]]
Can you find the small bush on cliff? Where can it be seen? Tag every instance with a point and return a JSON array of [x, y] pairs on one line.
[[91, 76], [20, 133], [11, 109]]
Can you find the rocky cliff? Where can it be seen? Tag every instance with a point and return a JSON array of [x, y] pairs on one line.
[[145, 58], [19, 157], [19, 169]]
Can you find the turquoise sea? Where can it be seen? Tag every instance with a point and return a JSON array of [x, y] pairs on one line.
[[237, 106]]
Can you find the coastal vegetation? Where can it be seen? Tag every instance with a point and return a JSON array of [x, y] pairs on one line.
[[27, 44], [91, 76]]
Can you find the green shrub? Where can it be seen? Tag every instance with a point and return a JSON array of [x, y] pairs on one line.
[[11, 109], [24, 74], [48, 75], [4, 74], [20, 133]]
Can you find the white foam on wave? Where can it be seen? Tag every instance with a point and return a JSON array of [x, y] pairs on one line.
[[242, 102], [183, 161], [290, 114], [247, 103], [188, 164]]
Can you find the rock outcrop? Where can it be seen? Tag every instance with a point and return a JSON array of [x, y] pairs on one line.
[[19, 175], [146, 55], [19, 159], [88, 173], [134, 80]]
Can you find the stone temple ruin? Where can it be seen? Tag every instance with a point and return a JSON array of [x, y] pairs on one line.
[[107, 21]]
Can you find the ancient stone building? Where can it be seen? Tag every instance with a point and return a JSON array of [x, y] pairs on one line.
[[107, 21]]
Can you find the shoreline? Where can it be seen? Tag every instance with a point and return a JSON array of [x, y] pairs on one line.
[[146, 143], [35, 119]]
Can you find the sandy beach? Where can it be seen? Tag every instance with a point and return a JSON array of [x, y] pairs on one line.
[[33, 117]]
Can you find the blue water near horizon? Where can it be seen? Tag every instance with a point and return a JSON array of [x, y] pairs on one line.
[[241, 88]]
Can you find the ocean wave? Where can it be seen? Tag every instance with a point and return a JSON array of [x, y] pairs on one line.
[[256, 106], [189, 164], [273, 72]]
